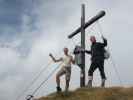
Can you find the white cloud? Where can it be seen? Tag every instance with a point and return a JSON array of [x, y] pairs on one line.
[[54, 23]]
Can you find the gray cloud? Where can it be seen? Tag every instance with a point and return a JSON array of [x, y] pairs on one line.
[[35, 28]]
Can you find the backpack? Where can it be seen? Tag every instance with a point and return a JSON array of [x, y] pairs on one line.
[[78, 55], [106, 54]]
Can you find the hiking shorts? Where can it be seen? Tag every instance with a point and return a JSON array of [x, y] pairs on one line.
[[65, 71], [100, 66]]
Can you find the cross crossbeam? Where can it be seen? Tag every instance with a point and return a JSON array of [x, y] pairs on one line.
[[87, 24]]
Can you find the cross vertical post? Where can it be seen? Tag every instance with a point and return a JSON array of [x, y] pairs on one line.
[[82, 73]]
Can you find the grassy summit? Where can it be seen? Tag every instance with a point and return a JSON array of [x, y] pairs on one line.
[[114, 93]]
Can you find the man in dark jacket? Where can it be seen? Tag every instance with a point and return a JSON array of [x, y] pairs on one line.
[[97, 59]]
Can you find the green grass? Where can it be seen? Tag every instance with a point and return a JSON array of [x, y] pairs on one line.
[[114, 93]]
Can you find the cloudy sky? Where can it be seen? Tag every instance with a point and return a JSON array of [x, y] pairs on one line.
[[31, 29]]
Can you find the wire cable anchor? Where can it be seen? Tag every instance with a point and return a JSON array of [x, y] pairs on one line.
[[29, 97]]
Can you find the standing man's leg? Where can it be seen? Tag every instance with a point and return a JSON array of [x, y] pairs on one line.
[[58, 75], [68, 76], [90, 73], [102, 73]]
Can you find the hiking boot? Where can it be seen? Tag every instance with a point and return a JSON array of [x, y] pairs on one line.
[[90, 83], [103, 83], [66, 92], [58, 89]]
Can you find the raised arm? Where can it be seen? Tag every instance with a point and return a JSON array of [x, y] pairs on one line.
[[53, 58], [82, 51], [104, 41], [87, 51], [72, 60]]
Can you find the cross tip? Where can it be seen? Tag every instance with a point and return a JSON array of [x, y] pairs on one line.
[[103, 12]]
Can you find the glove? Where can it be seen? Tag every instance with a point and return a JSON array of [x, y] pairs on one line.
[[50, 55], [82, 50], [103, 37]]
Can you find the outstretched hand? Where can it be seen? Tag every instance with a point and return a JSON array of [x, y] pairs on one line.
[[50, 55], [102, 37], [82, 50]]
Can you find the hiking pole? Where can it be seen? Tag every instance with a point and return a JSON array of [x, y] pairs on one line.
[[112, 60], [45, 80], [34, 80], [29, 97]]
